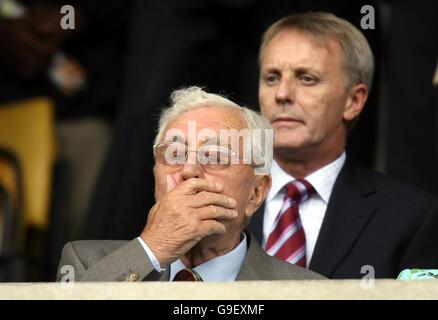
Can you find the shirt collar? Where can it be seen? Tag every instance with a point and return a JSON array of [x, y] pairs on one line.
[[222, 268], [322, 180]]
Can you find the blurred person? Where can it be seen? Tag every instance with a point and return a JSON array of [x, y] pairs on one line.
[[81, 71], [205, 194], [412, 54], [315, 73]]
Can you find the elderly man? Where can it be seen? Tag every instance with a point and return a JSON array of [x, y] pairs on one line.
[[208, 184], [315, 74]]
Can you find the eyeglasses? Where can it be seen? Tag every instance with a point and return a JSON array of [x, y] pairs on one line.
[[210, 157]]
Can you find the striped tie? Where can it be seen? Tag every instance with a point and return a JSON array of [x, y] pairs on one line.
[[287, 240]]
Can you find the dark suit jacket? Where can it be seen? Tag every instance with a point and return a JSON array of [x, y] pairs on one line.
[[372, 219], [109, 260]]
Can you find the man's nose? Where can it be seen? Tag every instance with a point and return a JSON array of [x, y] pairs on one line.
[[191, 168], [285, 94]]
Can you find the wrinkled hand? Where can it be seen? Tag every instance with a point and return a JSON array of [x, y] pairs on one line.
[[184, 215]]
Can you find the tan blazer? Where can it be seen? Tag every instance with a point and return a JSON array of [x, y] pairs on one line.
[[109, 260]]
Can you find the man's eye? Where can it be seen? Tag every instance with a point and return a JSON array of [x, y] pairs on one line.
[[177, 154], [214, 156], [308, 80], [209, 155], [271, 79], [172, 153]]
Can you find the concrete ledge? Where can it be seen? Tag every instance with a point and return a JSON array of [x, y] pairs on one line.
[[252, 290]]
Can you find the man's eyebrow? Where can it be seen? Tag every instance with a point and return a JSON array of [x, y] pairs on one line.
[[302, 70], [175, 139], [269, 69], [297, 70], [209, 142], [217, 142]]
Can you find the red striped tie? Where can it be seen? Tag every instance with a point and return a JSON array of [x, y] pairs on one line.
[[287, 241]]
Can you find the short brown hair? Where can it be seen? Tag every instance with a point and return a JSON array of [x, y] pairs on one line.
[[357, 57]]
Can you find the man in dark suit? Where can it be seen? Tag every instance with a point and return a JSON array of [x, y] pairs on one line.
[[315, 74], [195, 229]]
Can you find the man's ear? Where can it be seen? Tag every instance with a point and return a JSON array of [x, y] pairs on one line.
[[258, 194], [356, 101]]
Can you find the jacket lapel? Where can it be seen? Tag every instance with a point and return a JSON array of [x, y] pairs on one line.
[[156, 276], [350, 207], [254, 260], [256, 223]]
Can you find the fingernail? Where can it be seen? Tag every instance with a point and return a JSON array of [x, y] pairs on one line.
[[219, 186], [232, 201]]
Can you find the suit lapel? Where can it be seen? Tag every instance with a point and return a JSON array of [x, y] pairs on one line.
[[350, 207], [256, 223], [254, 260], [156, 276], [249, 271]]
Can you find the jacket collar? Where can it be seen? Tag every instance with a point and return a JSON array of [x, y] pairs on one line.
[[350, 207]]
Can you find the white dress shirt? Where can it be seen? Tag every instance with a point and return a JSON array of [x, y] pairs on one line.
[[312, 211], [222, 268]]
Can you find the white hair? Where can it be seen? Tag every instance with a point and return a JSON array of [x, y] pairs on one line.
[[189, 98]]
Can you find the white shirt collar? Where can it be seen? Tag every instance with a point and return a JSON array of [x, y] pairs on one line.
[[322, 180], [222, 268]]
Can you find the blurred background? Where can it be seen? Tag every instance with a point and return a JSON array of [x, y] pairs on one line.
[[78, 107]]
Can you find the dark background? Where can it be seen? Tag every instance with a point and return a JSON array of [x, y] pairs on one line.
[[136, 52]]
